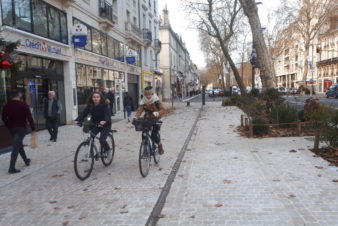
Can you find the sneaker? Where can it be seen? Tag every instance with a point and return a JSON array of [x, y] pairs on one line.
[[12, 171], [28, 162], [160, 149], [97, 156]]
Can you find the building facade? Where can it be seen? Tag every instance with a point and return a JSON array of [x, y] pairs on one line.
[[111, 61], [175, 62]]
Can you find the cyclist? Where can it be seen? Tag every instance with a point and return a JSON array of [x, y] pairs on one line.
[[100, 115], [156, 110]]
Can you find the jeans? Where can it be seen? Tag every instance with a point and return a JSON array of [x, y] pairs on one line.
[[52, 125], [128, 109], [155, 134], [18, 134], [103, 136]]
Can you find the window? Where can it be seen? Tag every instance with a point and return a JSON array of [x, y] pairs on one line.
[[110, 45], [104, 44], [128, 15], [7, 12], [54, 24], [135, 21], [121, 52], [116, 50], [96, 40], [32, 16], [40, 25], [23, 15]]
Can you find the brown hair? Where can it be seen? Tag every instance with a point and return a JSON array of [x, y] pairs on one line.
[[102, 99]]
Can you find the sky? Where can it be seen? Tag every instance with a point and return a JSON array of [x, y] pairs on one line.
[[181, 24]]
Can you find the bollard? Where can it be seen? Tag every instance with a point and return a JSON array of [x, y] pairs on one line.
[[246, 122], [250, 129], [299, 128], [317, 136], [188, 103], [242, 120]]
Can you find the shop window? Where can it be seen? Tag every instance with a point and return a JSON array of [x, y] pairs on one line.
[[96, 41], [116, 50], [121, 52], [23, 15], [34, 63], [64, 29], [7, 12], [104, 44], [40, 25], [54, 24], [105, 74], [111, 76], [89, 76]]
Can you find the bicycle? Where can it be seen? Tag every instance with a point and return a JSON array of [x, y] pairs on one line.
[[148, 148], [87, 151]]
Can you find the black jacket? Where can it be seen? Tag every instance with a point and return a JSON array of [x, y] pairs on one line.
[[55, 109], [100, 112]]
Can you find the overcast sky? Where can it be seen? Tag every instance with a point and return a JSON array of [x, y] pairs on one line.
[[181, 24]]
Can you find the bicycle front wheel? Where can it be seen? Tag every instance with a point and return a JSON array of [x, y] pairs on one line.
[[108, 156], [84, 160], [144, 158]]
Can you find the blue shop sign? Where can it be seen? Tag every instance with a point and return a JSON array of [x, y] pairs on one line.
[[131, 59], [79, 40]]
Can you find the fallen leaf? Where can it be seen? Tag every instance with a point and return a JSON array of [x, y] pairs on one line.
[[319, 167], [184, 161], [160, 169], [161, 216], [227, 181], [192, 217], [116, 188], [218, 205], [235, 157], [55, 175], [276, 180], [254, 151], [124, 206], [71, 207], [316, 156], [53, 202], [319, 175], [57, 208], [60, 175], [336, 181], [293, 150], [181, 175], [291, 196], [161, 188], [86, 189], [123, 212], [81, 218], [188, 150], [65, 223]]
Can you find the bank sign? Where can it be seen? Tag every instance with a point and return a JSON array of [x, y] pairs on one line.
[[42, 47]]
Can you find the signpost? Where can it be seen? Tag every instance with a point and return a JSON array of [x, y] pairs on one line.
[[79, 37]]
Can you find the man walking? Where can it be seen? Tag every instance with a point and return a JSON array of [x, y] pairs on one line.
[[52, 111], [15, 116], [128, 105]]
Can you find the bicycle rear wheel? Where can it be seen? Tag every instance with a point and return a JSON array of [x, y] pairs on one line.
[[144, 157], [84, 160], [108, 156]]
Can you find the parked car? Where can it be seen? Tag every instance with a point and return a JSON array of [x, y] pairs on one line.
[[220, 93], [332, 91], [213, 93], [236, 90], [294, 91], [282, 90]]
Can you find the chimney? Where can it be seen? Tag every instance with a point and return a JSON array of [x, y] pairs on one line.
[[165, 17]]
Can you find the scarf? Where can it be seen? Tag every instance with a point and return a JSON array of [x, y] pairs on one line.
[[152, 100]]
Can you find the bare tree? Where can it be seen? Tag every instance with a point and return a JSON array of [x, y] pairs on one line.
[[264, 58], [220, 19], [311, 17]]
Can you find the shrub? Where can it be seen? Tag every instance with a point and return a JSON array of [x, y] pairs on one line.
[[272, 97], [227, 102], [227, 93], [254, 92], [260, 130], [330, 130], [283, 114]]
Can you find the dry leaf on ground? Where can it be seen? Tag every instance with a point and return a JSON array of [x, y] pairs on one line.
[[218, 205], [227, 181]]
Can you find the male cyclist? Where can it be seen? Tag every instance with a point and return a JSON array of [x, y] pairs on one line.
[[155, 109]]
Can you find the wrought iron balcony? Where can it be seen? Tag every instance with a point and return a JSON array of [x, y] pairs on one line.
[[134, 34], [147, 37], [157, 45], [106, 12]]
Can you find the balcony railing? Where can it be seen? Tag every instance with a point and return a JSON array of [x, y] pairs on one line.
[[133, 32], [147, 36], [106, 10]]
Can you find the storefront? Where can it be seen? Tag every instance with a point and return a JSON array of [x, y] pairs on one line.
[[134, 86], [98, 73], [42, 69], [147, 78]]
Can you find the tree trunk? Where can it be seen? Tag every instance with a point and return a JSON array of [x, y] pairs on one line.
[[306, 66], [264, 58]]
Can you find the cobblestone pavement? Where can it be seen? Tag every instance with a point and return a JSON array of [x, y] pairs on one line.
[[226, 179], [49, 193]]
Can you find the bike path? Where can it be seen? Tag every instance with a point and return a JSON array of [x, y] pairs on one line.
[[49, 193]]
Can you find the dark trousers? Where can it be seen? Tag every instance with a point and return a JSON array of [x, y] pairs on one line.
[[17, 134], [52, 125], [103, 136], [155, 135]]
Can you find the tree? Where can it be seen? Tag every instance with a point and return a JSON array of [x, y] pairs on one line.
[[311, 17], [220, 19], [266, 67]]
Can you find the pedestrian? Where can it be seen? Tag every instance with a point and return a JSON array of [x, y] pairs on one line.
[[111, 97], [15, 116], [52, 112], [128, 104]]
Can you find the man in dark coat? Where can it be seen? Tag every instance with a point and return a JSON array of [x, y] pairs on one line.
[[15, 116], [52, 111], [111, 97]]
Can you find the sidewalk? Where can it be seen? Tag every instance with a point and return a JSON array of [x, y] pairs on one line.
[[226, 179], [49, 193]]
